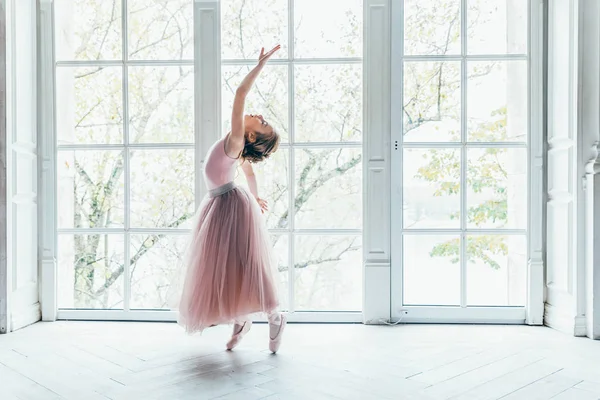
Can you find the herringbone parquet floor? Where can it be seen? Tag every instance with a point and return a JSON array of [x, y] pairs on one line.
[[101, 360]]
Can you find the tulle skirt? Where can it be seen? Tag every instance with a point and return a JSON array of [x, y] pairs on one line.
[[229, 262]]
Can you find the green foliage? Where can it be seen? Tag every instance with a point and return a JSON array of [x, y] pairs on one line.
[[484, 173], [483, 248]]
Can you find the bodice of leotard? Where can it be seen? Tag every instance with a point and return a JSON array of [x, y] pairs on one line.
[[219, 168]]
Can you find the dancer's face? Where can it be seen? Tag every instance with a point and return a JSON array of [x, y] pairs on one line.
[[256, 123]]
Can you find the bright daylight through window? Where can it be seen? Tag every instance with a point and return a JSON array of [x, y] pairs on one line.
[[126, 145], [462, 155], [128, 140]]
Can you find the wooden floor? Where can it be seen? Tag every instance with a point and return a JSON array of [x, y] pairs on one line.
[[94, 360]]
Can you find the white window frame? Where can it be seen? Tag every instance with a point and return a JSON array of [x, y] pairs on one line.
[[378, 274], [207, 78], [126, 148], [49, 259], [291, 145], [532, 312]]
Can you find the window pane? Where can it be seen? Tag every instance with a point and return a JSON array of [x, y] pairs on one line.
[[161, 29], [281, 251], [431, 270], [431, 108], [90, 189], [497, 26], [90, 271], [328, 273], [162, 188], [89, 105], [273, 183], [497, 196], [161, 101], [503, 116], [328, 188], [335, 30], [156, 264], [431, 27], [328, 103], [268, 97], [431, 188], [497, 270], [87, 29], [248, 25]]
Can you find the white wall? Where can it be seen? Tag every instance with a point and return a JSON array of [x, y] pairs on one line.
[[561, 275], [589, 164], [20, 276], [573, 288]]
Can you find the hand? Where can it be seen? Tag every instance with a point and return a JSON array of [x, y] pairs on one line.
[[264, 206], [264, 57]]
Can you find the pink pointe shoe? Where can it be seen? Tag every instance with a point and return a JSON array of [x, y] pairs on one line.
[[275, 342], [238, 334]]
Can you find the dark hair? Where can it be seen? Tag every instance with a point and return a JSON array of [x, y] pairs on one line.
[[263, 145]]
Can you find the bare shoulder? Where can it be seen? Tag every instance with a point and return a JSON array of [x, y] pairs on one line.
[[233, 145]]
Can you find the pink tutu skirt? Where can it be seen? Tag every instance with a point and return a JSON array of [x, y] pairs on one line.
[[229, 263]]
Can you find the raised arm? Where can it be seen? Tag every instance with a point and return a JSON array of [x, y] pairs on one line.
[[237, 114], [251, 179]]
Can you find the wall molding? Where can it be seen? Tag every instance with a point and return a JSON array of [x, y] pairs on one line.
[[564, 187], [557, 318], [26, 316]]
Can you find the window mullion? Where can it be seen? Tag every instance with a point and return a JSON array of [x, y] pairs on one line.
[[292, 161], [463, 155], [126, 167], [397, 163], [291, 59]]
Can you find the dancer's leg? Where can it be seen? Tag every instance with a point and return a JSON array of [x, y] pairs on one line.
[[241, 326], [277, 323]]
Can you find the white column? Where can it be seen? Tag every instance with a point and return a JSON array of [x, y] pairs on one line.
[[207, 82], [592, 249], [47, 183], [589, 166], [4, 317], [376, 164], [535, 268], [562, 277], [573, 285]]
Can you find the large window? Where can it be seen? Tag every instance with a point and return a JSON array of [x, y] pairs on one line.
[[461, 155], [130, 124], [125, 131], [312, 93], [126, 146]]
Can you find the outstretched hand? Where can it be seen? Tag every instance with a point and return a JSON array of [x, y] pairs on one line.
[[264, 57], [264, 206]]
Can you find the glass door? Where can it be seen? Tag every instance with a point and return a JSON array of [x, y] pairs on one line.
[[460, 134]]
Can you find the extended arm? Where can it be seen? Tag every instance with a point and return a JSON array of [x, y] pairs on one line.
[[237, 113], [251, 179]]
